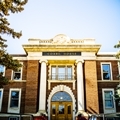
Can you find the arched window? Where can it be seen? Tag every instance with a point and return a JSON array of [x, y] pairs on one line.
[[61, 96]]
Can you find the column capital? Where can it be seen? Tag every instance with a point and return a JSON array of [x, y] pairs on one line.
[[43, 60], [79, 60]]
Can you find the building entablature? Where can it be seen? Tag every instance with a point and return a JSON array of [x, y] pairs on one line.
[[61, 43]]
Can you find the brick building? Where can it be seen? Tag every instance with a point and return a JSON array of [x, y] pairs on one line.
[[61, 77]]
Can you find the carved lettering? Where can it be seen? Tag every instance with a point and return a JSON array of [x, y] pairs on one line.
[[61, 53]]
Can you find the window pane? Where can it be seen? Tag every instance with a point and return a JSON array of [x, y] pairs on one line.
[[1, 68], [106, 76], [69, 109], [69, 72], [106, 72], [14, 99], [61, 70], [53, 70], [53, 109], [61, 73], [61, 109], [0, 94], [17, 76], [109, 104]]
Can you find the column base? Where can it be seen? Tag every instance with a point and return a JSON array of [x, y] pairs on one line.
[[40, 113], [85, 114]]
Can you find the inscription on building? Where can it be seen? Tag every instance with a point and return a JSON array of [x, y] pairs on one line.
[[61, 53]]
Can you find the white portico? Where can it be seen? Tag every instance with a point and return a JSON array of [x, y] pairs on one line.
[[61, 60]]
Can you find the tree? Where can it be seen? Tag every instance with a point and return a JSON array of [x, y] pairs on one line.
[[118, 53], [7, 7], [117, 91]]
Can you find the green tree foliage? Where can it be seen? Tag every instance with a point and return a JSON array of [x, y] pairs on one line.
[[8, 7], [118, 53], [117, 95]]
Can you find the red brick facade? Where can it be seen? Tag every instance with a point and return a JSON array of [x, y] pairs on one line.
[[88, 76], [91, 87]]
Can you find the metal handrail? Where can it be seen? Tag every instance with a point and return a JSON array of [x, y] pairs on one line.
[[9, 115], [61, 77]]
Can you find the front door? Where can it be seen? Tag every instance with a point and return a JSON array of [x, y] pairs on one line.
[[61, 107], [61, 111]]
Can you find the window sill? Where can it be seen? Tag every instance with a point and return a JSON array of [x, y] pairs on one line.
[[108, 80], [13, 110], [17, 80]]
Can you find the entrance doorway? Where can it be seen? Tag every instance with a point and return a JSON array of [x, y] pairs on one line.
[[61, 106]]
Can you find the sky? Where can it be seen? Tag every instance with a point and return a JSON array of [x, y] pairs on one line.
[[79, 19]]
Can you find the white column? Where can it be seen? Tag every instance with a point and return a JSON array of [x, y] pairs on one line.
[[42, 89], [80, 85]]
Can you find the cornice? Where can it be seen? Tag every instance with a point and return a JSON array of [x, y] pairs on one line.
[[41, 48]]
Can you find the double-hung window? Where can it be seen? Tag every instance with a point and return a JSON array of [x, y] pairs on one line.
[[17, 75], [108, 101], [61, 72], [106, 71], [1, 97], [14, 100]]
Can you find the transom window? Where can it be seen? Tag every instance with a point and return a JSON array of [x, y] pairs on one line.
[[106, 71], [61, 72], [61, 96]]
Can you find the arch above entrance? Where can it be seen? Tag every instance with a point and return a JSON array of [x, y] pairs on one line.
[[63, 88], [61, 96]]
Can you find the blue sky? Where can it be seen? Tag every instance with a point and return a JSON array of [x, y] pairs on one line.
[[79, 19]]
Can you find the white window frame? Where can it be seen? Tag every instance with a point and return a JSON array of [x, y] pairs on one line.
[[3, 70], [13, 72], [109, 63], [14, 109], [108, 110], [1, 98], [119, 68]]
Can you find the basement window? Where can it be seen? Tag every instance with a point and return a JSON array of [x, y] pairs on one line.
[[13, 118]]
